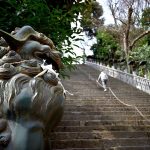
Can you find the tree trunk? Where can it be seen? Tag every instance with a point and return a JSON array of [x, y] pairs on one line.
[[125, 43], [126, 37]]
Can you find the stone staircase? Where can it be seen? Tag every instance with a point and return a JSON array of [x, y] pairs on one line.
[[96, 120]]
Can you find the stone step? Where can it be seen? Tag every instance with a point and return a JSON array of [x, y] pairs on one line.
[[105, 99], [98, 143], [112, 87], [96, 120], [82, 144], [101, 122], [86, 108], [104, 117], [106, 112], [144, 147], [104, 103], [81, 149], [97, 134], [103, 95], [108, 100], [100, 92], [101, 128]]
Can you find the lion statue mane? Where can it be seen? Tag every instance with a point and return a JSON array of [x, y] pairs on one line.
[[31, 98]]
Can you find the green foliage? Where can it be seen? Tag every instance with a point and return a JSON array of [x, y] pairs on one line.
[[94, 48], [47, 17], [142, 54], [145, 20], [106, 45], [91, 19], [53, 22]]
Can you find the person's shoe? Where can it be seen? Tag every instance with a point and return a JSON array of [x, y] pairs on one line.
[[105, 90]]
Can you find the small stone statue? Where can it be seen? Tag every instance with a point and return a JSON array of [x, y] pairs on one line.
[[31, 98]]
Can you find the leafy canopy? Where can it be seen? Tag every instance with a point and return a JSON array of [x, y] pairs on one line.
[[53, 18], [106, 45]]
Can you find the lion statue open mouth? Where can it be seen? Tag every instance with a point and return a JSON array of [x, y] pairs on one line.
[[31, 97]]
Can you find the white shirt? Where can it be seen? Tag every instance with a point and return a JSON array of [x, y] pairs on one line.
[[103, 76]]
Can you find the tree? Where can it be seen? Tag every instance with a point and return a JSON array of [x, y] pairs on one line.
[[127, 14], [142, 54], [53, 18], [106, 47], [145, 20], [91, 18]]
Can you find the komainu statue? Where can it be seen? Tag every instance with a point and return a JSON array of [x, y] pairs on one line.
[[31, 97]]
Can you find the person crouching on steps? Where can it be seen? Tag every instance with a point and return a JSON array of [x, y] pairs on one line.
[[104, 78]]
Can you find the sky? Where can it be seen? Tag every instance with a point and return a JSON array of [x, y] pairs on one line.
[[106, 14], [89, 42]]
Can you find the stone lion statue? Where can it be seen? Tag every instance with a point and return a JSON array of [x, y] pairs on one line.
[[31, 98]]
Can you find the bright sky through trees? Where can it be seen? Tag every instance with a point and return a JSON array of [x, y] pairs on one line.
[[106, 12], [89, 42]]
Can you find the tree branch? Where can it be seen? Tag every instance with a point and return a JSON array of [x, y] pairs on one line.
[[137, 38]]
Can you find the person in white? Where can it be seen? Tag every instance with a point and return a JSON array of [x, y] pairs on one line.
[[104, 78]]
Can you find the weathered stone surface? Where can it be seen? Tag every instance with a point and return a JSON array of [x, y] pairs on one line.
[[95, 120], [31, 98]]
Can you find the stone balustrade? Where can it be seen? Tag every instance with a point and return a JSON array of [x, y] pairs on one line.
[[134, 80]]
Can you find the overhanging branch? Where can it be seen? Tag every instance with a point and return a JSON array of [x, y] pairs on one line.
[[137, 38]]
